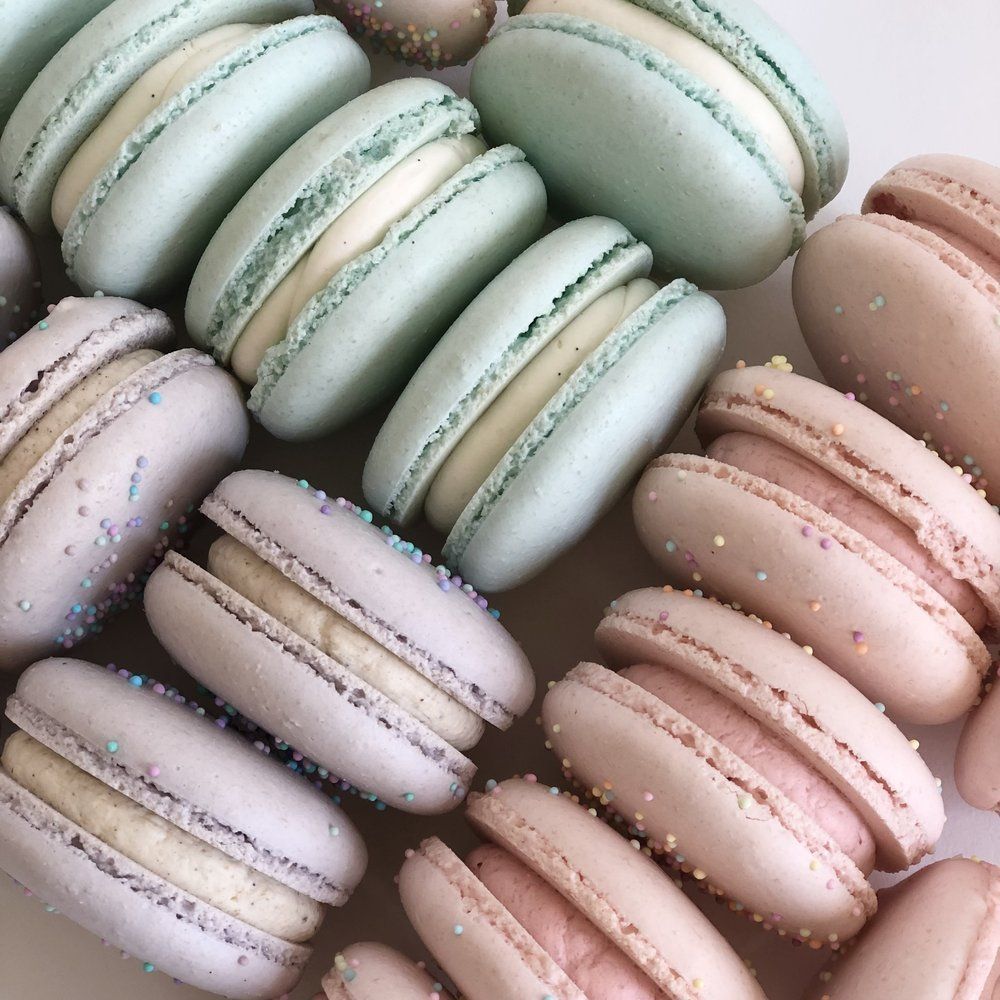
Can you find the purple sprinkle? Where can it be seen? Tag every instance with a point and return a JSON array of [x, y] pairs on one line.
[[325, 509], [444, 583], [826, 544]]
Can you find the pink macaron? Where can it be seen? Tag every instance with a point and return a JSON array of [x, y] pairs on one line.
[[20, 279], [741, 759], [936, 937], [372, 971], [901, 304], [819, 515], [556, 904]]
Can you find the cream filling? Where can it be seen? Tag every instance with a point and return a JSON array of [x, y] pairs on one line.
[[699, 59], [154, 88], [157, 845], [358, 229], [271, 591], [485, 443], [63, 414]]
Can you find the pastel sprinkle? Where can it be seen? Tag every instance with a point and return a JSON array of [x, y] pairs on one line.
[[155, 398], [761, 575], [112, 746], [148, 967], [458, 929], [24, 605]]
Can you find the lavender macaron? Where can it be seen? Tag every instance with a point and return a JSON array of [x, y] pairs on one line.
[[20, 280]]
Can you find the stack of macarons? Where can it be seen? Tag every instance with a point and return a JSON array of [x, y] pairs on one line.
[[697, 123], [331, 279], [556, 904], [20, 280], [131, 813], [744, 761], [819, 515], [342, 640], [106, 445], [901, 305], [166, 111], [543, 401]]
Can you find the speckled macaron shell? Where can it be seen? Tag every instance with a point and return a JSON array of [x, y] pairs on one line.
[[829, 724], [887, 306], [621, 891], [727, 216], [289, 687], [952, 522], [32, 34], [360, 338], [347, 564], [866, 615], [211, 782], [20, 280], [507, 324], [134, 910], [310, 185], [192, 159], [434, 34], [688, 789], [583, 450], [487, 953], [373, 971], [937, 935], [75, 547], [78, 87]]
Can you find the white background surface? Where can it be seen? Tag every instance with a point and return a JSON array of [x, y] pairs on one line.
[[910, 76]]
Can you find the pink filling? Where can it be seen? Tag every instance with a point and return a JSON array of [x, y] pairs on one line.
[[766, 753], [591, 959], [786, 468]]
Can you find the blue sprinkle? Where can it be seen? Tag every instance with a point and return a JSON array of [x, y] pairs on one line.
[[155, 398]]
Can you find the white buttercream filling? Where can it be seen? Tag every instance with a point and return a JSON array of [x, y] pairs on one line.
[[358, 229], [153, 89], [699, 59], [485, 443]]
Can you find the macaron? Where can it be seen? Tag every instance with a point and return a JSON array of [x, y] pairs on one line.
[[737, 757], [901, 305], [556, 904], [372, 971], [342, 640], [32, 34], [819, 515], [128, 811], [544, 400], [699, 125], [936, 937], [20, 280], [137, 139], [106, 444], [329, 282], [977, 756], [434, 34]]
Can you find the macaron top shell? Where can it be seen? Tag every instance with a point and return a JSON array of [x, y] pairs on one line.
[[211, 783], [372, 971], [395, 597], [936, 937], [620, 890], [951, 521], [78, 87], [830, 724], [514, 317]]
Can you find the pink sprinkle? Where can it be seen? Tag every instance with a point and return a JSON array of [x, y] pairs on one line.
[[153, 771], [826, 543], [647, 796], [652, 496], [531, 778], [243, 960], [831, 885], [859, 637], [844, 359], [664, 615], [807, 530], [850, 396], [456, 25]]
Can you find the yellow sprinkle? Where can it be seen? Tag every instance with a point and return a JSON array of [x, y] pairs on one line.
[[698, 983], [815, 606], [340, 962], [699, 874], [813, 865], [769, 394], [743, 801], [808, 649], [915, 744], [557, 728], [805, 932]]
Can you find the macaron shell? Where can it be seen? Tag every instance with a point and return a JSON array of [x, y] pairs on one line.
[[134, 910], [74, 92], [375, 972], [191, 161], [163, 435], [936, 935], [767, 855], [20, 279], [579, 455], [506, 325], [289, 687], [552, 84], [302, 192], [873, 298], [621, 891], [877, 624], [347, 564], [831, 725], [953, 524], [486, 951], [359, 339], [977, 758]]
